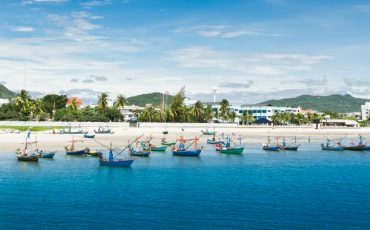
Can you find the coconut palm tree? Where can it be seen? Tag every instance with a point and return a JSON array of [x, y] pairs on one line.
[[120, 101], [224, 109], [197, 111], [208, 113], [148, 113], [23, 101], [37, 108], [103, 101]]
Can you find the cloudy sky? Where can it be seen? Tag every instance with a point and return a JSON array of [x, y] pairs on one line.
[[251, 50]]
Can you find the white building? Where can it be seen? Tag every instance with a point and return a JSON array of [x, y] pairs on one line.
[[128, 111], [259, 111], [365, 111]]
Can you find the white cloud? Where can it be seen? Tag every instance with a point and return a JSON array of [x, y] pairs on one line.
[[22, 29], [91, 4], [29, 2]]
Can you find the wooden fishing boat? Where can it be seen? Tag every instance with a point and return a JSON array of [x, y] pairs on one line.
[[185, 152], [367, 148], [182, 151], [89, 136], [47, 155], [270, 147], [93, 153], [71, 150], [214, 142], [116, 163], [70, 131], [233, 150], [168, 143], [142, 151], [331, 148], [102, 130], [30, 158], [158, 149], [360, 147], [292, 147], [207, 132]]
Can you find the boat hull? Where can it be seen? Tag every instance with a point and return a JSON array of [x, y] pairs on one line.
[[332, 148], [367, 148], [168, 143], [291, 148], [118, 163], [272, 148], [140, 154], [355, 148], [187, 153], [89, 136], [76, 153], [215, 142], [208, 133], [30, 158], [232, 151], [48, 155], [93, 153], [159, 149]]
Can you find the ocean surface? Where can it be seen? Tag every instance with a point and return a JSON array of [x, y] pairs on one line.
[[308, 189]]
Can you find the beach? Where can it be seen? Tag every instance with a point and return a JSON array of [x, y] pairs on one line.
[[251, 135]]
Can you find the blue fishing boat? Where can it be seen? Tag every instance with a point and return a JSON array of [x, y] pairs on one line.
[[270, 147], [71, 150], [142, 151], [182, 151], [115, 163], [292, 147], [89, 136], [330, 146], [367, 148], [47, 155]]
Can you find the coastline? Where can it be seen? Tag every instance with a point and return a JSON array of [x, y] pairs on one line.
[[48, 141]]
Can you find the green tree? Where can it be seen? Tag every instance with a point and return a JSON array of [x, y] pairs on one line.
[[120, 102], [177, 107], [208, 113], [103, 101], [53, 102], [37, 108], [197, 111], [148, 114], [23, 101], [224, 109]]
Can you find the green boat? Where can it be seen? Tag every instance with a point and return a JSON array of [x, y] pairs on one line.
[[232, 150], [159, 149], [168, 143]]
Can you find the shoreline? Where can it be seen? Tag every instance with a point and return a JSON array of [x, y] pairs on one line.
[[50, 142]]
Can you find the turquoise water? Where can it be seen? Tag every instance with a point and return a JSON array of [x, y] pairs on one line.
[[305, 189]]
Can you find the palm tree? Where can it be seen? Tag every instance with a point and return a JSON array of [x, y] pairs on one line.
[[232, 116], [23, 101], [208, 113], [197, 111], [120, 102], [37, 108], [103, 101], [149, 113], [224, 109]]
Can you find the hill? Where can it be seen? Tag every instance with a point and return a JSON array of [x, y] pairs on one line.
[[156, 99], [334, 103], [5, 92]]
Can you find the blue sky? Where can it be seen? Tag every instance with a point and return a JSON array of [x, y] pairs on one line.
[[251, 50]]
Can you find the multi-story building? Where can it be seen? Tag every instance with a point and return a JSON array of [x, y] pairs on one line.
[[129, 111], [258, 111], [365, 111]]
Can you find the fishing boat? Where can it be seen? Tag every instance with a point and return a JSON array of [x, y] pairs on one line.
[[269, 147], [25, 155], [292, 147], [168, 143], [70, 150], [153, 148], [102, 130], [213, 141], [70, 131], [230, 149], [113, 162], [182, 151], [142, 151], [329, 146], [207, 132], [356, 147], [47, 155], [89, 136], [92, 153]]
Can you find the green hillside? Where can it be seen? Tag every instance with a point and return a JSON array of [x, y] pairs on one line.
[[155, 99], [5, 92], [333, 103]]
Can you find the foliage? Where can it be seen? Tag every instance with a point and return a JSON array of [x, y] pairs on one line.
[[33, 129], [224, 110], [103, 101], [154, 99], [54, 102], [6, 93]]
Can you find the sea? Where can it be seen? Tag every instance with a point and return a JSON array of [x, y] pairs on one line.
[[306, 189]]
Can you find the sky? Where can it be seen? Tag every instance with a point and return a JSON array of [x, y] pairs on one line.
[[252, 50]]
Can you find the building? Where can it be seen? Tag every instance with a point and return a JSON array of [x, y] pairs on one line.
[[129, 111], [339, 123], [258, 111], [365, 111]]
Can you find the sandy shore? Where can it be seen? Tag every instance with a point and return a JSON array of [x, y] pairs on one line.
[[49, 141]]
